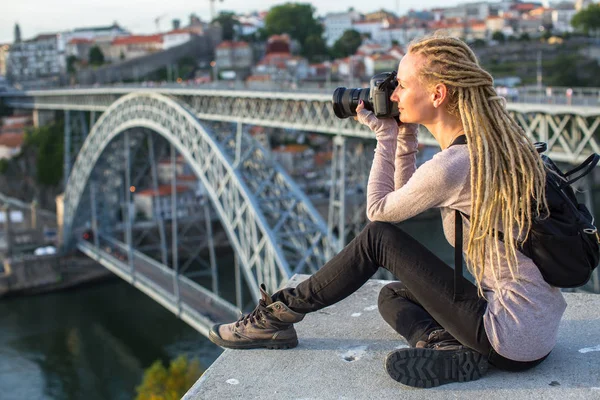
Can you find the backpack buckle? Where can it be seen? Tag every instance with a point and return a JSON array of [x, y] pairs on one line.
[[593, 232]]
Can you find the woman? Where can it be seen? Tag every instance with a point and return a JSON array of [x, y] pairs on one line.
[[510, 317]]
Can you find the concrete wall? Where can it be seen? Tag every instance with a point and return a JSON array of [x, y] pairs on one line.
[[43, 273], [200, 47]]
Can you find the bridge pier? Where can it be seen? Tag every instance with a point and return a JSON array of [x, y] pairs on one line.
[[337, 195], [7, 230], [174, 238]]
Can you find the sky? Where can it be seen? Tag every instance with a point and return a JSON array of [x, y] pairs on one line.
[[47, 16]]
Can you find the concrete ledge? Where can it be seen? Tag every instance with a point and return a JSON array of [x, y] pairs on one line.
[[342, 348]]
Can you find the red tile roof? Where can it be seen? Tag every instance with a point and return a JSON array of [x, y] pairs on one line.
[[12, 140], [137, 39], [228, 44], [80, 41], [163, 190]]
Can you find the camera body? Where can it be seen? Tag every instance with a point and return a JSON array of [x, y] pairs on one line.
[[376, 98]]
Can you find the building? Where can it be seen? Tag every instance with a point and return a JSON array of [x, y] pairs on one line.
[[233, 56], [378, 63], [10, 145], [177, 37], [93, 33], [79, 41], [369, 28], [4, 49], [250, 23], [155, 204], [128, 47], [562, 15], [402, 31], [39, 62], [337, 23], [79, 48], [296, 159], [279, 64], [16, 123]]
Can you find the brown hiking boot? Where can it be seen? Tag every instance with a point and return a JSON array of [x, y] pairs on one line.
[[270, 325], [436, 361]]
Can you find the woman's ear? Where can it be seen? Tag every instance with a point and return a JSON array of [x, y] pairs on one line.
[[440, 92]]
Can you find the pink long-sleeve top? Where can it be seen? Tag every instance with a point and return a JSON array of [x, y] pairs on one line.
[[523, 314]]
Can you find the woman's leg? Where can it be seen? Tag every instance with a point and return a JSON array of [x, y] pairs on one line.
[[404, 314], [427, 277]]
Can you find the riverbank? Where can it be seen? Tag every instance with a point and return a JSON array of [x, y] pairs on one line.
[[27, 275]]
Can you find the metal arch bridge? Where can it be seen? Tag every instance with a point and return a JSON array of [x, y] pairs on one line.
[[570, 131], [272, 226]]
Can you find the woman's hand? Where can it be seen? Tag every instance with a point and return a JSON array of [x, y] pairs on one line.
[[385, 126], [359, 108], [369, 119]]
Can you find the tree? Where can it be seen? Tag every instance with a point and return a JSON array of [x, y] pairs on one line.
[[228, 23], [168, 384], [47, 142], [524, 37], [314, 48], [295, 19], [96, 56], [498, 36], [588, 19], [347, 44], [71, 61]]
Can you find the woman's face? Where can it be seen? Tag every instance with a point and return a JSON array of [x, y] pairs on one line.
[[415, 101]]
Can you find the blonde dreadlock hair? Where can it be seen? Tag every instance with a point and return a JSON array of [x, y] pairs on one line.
[[507, 175]]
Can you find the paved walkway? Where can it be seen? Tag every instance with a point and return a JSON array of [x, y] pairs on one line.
[[341, 352]]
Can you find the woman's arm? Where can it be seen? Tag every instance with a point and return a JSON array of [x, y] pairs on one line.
[[429, 186], [406, 154]]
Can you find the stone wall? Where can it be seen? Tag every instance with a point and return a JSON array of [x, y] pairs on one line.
[[200, 48], [32, 274]]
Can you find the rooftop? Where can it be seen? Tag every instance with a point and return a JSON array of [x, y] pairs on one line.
[[338, 358]]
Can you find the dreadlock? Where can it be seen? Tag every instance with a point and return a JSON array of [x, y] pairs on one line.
[[507, 176]]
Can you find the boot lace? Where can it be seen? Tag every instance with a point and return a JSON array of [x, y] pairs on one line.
[[254, 316], [441, 339]]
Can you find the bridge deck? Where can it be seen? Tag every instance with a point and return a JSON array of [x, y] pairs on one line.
[[195, 305], [338, 358]]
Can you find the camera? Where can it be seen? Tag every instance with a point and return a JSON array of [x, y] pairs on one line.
[[376, 98]]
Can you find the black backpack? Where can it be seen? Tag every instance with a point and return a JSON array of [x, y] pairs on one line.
[[565, 245]]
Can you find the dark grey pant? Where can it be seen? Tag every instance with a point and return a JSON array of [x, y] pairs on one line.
[[423, 302]]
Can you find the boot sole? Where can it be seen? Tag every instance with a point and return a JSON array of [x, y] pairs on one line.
[[425, 368], [214, 337]]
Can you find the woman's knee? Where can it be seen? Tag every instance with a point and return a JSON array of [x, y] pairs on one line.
[[391, 291]]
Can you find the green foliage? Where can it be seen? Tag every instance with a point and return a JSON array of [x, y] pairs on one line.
[[499, 37], [228, 23], [5, 110], [347, 44], [3, 166], [524, 37], [573, 71], [160, 383], [96, 56], [478, 43], [71, 61], [298, 21], [47, 143], [588, 19], [315, 48]]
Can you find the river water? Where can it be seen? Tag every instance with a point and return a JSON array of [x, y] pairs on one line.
[[95, 342]]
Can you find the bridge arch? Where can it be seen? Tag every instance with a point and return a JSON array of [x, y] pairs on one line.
[[272, 226]]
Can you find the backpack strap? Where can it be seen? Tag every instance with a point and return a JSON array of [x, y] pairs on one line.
[[587, 166], [458, 255], [458, 239]]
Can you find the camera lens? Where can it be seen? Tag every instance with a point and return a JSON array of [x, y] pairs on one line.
[[346, 100]]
